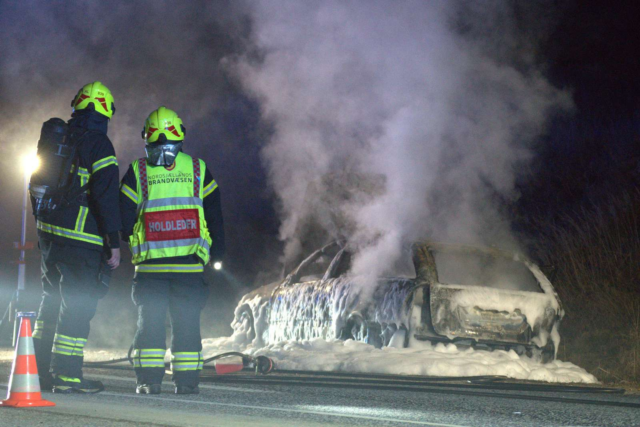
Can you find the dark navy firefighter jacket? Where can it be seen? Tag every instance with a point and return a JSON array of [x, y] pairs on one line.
[[94, 217]]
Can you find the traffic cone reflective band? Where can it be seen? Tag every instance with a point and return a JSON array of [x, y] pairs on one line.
[[24, 385]]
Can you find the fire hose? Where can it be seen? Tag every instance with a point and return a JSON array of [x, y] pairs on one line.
[[262, 364]]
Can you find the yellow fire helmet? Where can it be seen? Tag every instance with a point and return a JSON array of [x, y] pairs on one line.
[[163, 125], [97, 95]]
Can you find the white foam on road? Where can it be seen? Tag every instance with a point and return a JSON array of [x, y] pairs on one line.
[[352, 356], [421, 359]]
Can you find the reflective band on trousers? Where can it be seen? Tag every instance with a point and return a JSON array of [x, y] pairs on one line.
[[149, 352], [68, 346], [166, 244], [186, 361], [169, 268], [39, 329], [70, 340], [148, 363], [148, 358], [66, 350], [170, 201]]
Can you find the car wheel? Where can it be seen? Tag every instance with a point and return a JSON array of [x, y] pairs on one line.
[[399, 339], [388, 332], [358, 330], [548, 353], [353, 329], [374, 335], [545, 354]]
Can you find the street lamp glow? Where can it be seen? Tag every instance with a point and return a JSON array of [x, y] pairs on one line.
[[217, 265], [30, 163]]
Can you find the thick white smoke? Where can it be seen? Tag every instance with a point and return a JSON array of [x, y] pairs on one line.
[[434, 97]]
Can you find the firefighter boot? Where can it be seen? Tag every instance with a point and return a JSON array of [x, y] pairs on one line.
[[148, 388], [62, 384], [187, 389]]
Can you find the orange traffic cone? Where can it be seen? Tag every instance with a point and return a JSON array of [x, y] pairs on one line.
[[24, 385]]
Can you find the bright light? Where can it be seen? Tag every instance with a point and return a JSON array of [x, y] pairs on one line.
[[30, 163], [217, 265]]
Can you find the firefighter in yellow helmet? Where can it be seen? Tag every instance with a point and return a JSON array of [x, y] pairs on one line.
[[78, 225], [172, 219]]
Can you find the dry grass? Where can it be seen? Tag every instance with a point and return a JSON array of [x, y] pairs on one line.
[[596, 255]]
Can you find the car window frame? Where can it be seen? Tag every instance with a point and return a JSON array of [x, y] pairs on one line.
[[294, 277]]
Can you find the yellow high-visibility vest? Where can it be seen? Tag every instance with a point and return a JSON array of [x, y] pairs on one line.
[[170, 219]]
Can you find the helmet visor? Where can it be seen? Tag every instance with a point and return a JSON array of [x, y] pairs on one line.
[[163, 154]]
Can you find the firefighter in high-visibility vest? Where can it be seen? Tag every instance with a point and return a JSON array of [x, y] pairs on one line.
[[172, 219], [73, 239]]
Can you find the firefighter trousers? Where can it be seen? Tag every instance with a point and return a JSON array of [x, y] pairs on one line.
[[70, 294], [184, 295]]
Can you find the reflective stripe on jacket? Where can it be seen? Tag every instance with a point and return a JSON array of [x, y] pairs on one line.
[[170, 218], [78, 232]]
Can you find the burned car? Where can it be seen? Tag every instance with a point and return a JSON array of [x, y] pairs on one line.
[[474, 297]]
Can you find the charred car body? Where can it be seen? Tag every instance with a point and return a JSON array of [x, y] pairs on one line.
[[476, 297]]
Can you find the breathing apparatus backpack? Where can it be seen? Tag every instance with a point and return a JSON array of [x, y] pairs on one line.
[[52, 185]]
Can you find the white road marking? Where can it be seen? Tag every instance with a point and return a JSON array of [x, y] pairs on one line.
[[297, 411]]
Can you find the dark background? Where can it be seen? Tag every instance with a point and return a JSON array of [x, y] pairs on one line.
[[150, 54]]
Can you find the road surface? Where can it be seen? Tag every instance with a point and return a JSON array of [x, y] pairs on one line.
[[301, 403]]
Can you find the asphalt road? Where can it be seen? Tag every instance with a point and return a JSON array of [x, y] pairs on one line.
[[302, 403]]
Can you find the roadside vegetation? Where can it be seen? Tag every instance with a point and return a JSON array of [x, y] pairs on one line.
[[594, 260]]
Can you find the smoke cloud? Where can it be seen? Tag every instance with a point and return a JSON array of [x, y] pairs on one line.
[[437, 102], [381, 122]]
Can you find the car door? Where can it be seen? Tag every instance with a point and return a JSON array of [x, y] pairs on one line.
[[301, 306]]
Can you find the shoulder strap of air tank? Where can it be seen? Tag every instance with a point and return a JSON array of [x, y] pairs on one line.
[[196, 176], [142, 171]]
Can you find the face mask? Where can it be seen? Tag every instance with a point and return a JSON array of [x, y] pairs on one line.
[[163, 154]]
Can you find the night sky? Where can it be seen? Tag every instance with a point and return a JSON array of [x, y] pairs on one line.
[[181, 55]]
